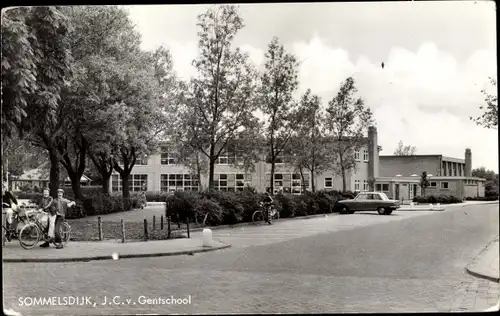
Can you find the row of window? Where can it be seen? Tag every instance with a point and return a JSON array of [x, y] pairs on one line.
[[357, 184], [357, 155], [172, 158], [283, 182]]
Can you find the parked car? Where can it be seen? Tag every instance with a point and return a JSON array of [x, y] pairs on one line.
[[368, 201]]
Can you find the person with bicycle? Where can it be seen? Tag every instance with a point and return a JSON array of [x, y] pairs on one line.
[[57, 212], [10, 203], [268, 202]]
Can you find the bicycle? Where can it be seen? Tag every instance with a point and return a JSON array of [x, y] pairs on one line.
[[261, 215], [11, 233], [36, 231]]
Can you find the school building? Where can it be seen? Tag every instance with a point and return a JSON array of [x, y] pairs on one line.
[[397, 176]]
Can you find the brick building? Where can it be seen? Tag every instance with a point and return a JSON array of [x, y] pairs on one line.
[[398, 176]]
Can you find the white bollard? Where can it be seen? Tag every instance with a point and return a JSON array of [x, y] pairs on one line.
[[207, 237], [411, 204]]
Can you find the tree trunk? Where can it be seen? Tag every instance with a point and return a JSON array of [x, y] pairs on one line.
[[105, 183], [75, 185], [54, 172], [125, 181], [273, 167], [303, 180], [342, 169], [198, 171], [211, 184], [313, 186]]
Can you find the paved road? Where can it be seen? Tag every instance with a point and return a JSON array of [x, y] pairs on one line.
[[406, 262]]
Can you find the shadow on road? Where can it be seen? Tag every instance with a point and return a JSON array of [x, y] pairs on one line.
[[376, 214]]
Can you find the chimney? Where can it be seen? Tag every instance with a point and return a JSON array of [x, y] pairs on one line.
[[373, 161], [468, 163]]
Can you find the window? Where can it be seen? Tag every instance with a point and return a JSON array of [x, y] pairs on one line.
[[361, 196], [356, 154], [365, 155], [167, 157], [365, 185], [444, 185], [136, 182], [378, 187], [142, 161], [178, 182], [328, 182], [356, 185], [433, 184], [385, 187], [287, 183], [232, 181]]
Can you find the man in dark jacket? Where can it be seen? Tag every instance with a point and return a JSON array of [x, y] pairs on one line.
[[268, 201], [56, 216], [9, 200]]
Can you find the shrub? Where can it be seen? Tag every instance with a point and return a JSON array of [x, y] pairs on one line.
[[482, 198], [215, 212], [181, 205], [157, 196], [33, 197], [229, 202], [249, 199], [286, 205], [102, 203], [442, 199]]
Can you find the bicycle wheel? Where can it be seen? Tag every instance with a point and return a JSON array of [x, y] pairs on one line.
[[257, 216], [29, 236], [65, 232]]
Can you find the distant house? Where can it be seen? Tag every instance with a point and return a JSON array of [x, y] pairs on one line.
[[31, 179], [84, 181], [38, 179]]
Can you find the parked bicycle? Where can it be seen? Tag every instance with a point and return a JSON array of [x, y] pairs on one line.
[[36, 230], [261, 215], [19, 217]]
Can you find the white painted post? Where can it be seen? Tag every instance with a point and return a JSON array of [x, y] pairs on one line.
[[207, 237]]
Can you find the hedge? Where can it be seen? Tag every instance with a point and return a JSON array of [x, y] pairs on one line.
[[95, 203], [442, 199], [221, 208], [482, 198]]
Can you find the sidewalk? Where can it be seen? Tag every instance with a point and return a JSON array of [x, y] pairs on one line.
[[486, 265], [441, 207], [87, 251]]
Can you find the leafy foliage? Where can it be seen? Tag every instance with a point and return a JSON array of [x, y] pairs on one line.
[[312, 150], [347, 122], [491, 185], [403, 150], [489, 118], [219, 102], [278, 83], [424, 182]]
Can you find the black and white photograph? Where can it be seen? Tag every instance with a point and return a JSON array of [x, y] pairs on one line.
[[250, 158]]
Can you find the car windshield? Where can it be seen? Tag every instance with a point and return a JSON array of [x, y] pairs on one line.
[[383, 196]]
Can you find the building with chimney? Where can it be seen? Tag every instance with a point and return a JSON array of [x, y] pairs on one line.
[[397, 176], [400, 176]]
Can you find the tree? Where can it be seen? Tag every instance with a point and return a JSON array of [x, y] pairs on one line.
[[489, 118], [312, 150], [102, 43], [424, 182], [403, 150], [491, 185], [347, 122], [278, 83], [144, 120], [36, 63], [220, 100]]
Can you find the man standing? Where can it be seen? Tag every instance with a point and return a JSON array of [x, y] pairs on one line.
[[57, 212], [9, 199]]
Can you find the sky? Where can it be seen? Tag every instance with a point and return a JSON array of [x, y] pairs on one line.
[[438, 57]]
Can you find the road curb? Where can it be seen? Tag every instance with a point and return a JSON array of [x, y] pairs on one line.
[[125, 256], [252, 224], [470, 268]]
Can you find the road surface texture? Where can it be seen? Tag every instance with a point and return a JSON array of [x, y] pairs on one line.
[[405, 262]]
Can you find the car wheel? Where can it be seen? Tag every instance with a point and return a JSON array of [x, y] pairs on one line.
[[388, 212], [381, 211], [344, 210]]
